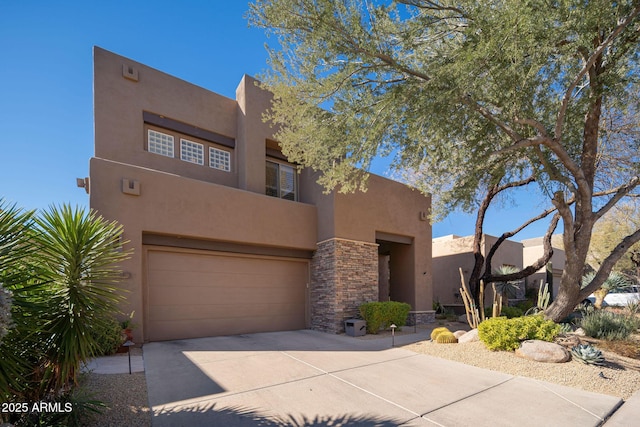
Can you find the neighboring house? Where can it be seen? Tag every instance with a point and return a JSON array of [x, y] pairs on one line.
[[552, 273], [453, 252], [228, 237], [450, 253]]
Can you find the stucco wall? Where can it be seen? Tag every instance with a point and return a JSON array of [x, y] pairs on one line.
[[181, 200], [182, 207], [120, 133]]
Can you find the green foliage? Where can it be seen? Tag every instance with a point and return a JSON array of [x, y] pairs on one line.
[[383, 314], [446, 338], [61, 268], [500, 333], [507, 288], [464, 96], [507, 311], [525, 305], [587, 354], [438, 331], [108, 335], [608, 325], [614, 282], [565, 328]]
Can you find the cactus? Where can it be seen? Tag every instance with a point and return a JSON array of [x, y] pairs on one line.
[[446, 338], [588, 354], [438, 331]]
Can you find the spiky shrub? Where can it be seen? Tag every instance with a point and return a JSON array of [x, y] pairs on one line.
[[500, 333], [446, 338], [438, 331], [587, 354], [608, 325], [565, 328], [78, 255]]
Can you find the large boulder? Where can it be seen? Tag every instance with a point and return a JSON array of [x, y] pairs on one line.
[[543, 351], [471, 336], [459, 333]]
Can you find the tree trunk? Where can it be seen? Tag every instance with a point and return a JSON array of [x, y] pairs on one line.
[[564, 303]]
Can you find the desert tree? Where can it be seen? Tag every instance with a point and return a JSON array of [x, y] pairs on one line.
[[468, 95]]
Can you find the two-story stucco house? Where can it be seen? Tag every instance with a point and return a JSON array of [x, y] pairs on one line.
[[228, 237]]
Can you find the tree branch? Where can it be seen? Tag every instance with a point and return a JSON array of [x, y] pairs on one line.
[[609, 262], [488, 277], [564, 105], [620, 192]]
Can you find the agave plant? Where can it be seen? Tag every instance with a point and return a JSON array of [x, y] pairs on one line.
[[588, 354], [615, 281]]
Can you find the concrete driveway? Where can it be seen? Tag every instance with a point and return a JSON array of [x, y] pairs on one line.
[[307, 378]]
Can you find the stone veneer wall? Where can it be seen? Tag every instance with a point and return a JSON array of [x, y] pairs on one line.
[[344, 274]]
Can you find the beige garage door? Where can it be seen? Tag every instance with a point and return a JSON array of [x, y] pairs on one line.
[[197, 294]]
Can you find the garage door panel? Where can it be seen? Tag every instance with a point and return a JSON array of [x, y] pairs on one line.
[[220, 312], [238, 279], [195, 294]]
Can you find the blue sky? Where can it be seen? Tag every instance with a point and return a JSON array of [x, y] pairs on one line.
[[46, 104]]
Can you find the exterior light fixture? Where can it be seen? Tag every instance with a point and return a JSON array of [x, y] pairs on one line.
[[393, 334]]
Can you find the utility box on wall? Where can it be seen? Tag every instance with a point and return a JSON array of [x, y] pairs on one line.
[[355, 327]]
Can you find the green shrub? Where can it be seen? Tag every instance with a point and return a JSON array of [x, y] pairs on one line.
[[512, 312], [607, 325], [500, 333], [108, 336], [507, 311], [383, 314]]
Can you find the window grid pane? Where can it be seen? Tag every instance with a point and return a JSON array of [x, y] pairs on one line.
[[191, 152], [219, 159], [160, 143], [281, 181], [272, 179], [287, 183]]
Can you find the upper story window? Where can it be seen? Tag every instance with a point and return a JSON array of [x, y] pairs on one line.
[[195, 143], [281, 181], [160, 143], [219, 159], [191, 152]]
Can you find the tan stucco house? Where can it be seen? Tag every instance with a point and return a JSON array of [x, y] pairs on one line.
[[552, 273], [452, 252], [228, 237]]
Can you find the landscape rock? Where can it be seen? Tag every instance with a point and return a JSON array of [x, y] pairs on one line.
[[543, 351], [580, 332], [471, 336], [459, 333], [462, 318]]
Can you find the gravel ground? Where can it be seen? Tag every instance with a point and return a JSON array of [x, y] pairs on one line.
[[622, 375], [126, 395]]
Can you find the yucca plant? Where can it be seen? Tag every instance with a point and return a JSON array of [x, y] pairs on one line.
[[78, 255], [587, 354], [506, 288]]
